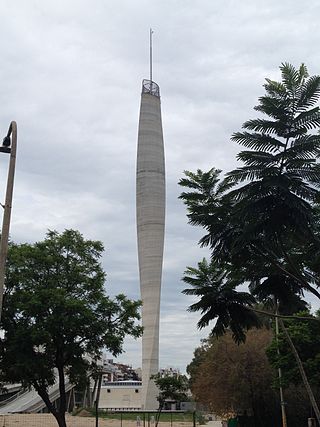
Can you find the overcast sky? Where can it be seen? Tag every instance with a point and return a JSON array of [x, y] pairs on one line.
[[71, 75]]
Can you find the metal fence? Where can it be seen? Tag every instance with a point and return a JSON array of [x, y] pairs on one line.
[[104, 419], [150, 418]]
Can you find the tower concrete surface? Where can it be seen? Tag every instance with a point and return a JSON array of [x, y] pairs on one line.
[[150, 199]]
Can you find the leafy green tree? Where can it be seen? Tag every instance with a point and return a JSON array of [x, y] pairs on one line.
[[236, 378], [219, 299], [199, 355], [215, 286], [263, 212], [306, 338], [262, 218], [235, 311], [57, 317], [280, 171], [231, 378], [171, 388]]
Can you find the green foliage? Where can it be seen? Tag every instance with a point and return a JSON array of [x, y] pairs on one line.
[[227, 378], [280, 171], [219, 299], [171, 387], [232, 378], [261, 221], [176, 417], [56, 314], [208, 207], [199, 355], [306, 339]]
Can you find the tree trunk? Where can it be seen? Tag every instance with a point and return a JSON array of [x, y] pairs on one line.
[[62, 391], [161, 405], [302, 372], [45, 397], [61, 419], [60, 414]]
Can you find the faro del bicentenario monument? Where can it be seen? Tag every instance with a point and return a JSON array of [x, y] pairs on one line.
[[150, 204]]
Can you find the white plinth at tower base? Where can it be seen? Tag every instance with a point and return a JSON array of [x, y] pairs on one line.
[[150, 230]]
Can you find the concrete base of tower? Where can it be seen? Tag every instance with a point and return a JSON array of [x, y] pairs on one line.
[[150, 401]]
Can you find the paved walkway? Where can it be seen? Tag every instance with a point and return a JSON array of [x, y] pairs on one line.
[[214, 424]]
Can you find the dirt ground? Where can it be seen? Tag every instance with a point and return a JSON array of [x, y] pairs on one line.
[[47, 420]]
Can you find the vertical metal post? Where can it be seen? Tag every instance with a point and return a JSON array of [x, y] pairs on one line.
[[282, 403], [311, 422], [88, 395], [97, 399], [121, 419], [151, 32], [69, 400], [7, 209], [171, 418]]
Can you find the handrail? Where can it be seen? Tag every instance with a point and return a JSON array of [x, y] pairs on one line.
[[36, 403], [148, 86], [14, 397]]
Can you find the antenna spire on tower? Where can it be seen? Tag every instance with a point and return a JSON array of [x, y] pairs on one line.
[[151, 32]]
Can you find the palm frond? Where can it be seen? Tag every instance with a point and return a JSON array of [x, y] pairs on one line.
[[276, 89], [257, 158], [265, 126], [307, 120], [310, 93], [250, 173], [257, 141], [279, 109], [305, 146], [299, 163], [291, 77]]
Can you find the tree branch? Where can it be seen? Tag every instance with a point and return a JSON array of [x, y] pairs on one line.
[[283, 316], [302, 281]]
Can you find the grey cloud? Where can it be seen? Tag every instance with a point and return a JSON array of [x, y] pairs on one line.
[[71, 76]]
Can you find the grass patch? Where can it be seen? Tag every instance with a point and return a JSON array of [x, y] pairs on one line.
[[132, 416]]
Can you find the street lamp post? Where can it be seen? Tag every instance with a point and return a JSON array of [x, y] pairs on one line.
[[9, 146]]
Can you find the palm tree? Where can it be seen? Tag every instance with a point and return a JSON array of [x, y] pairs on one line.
[[215, 286], [218, 299], [265, 211], [263, 218], [278, 185], [280, 169]]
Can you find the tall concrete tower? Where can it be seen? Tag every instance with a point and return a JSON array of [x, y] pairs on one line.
[[150, 229]]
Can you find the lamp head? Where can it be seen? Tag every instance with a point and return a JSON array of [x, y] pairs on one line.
[[6, 141]]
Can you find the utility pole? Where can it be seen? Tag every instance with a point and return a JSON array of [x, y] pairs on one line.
[[9, 145], [282, 403]]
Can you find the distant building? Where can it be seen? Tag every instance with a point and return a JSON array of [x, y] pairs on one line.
[[122, 389], [118, 372], [121, 396], [170, 372]]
